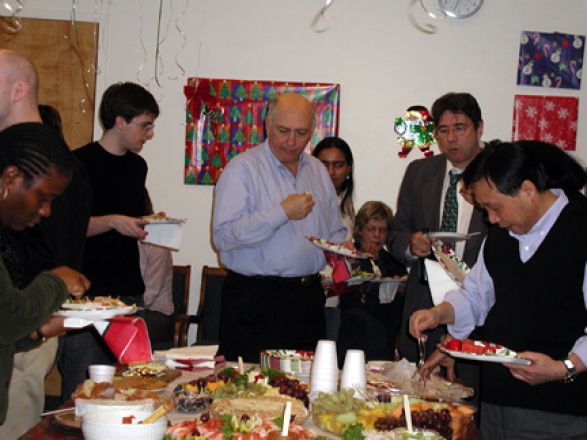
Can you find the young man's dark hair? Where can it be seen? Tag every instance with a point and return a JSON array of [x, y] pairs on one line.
[[127, 100]]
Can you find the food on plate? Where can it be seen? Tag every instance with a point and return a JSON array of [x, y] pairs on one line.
[[235, 428], [262, 406], [148, 383], [162, 218], [450, 261], [89, 394], [149, 369], [386, 377], [337, 412], [337, 248], [451, 420], [296, 362], [358, 433], [98, 302], [197, 394], [478, 347], [89, 389]]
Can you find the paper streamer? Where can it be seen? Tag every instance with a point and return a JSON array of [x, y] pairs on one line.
[[321, 15]]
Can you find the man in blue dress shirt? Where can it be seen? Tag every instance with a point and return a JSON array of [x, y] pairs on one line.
[[267, 201]]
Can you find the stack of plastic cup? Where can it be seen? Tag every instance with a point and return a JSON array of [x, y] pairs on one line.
[[353, 371], [324, 374], [101, 373]]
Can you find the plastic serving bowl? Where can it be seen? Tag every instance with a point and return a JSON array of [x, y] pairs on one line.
[[107, 425]]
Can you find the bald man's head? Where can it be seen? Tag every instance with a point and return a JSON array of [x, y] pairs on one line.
[[18, 89]]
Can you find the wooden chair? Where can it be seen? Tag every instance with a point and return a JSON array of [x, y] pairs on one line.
[[181, 296], [208, 314]]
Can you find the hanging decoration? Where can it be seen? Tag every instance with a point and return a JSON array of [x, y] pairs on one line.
[[551, 60], [551, 119], [12, 23], [415, 129], [321, 15], [226, 117], [427, 28]]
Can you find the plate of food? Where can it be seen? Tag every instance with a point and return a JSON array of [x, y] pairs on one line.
[[391, 280], [451, 236], [482, 351], [96, 314], [456, 268], [337, 248], [155, 219], [97, 303]]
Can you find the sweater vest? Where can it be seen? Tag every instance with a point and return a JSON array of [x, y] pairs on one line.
[[539, 307]]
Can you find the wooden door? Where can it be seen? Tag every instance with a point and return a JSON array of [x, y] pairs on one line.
[[65, 56]]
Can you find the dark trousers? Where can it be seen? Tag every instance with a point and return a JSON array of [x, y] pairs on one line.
[[260, 313], [160, 327], [509, 423]]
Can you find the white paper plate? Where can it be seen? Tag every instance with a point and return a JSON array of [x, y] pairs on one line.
[[97, 315], [355, 281], [87, 306], [450, 236], [338, 249], [167, 221], [500, 359], [390, 280]]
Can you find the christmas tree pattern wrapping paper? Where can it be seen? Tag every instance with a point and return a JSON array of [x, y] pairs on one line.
[[225, 117], [551, 60], [551, 119]]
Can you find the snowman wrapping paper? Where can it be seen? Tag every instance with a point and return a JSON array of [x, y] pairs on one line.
[[552, 60]]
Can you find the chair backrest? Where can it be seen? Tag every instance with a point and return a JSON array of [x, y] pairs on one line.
[[181, 288], [209, 306]]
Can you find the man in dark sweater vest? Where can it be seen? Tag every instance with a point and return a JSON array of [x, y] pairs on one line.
[[529, 290]]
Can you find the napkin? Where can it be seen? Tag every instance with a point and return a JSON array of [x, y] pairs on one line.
[[126, 336], [341, 270], [167, 235], [439, 281], [202, 352], [128, 339], [196, 357]]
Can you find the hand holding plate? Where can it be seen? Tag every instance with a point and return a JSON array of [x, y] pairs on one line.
[[420, 244], [543, 368]]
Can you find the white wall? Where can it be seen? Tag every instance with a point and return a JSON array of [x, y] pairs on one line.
[[381, 61]]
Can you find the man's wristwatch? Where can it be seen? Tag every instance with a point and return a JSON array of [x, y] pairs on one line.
[[40, 336], [571, 371]]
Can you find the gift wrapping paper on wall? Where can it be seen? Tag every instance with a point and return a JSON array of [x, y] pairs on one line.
[[551, 60], [550, 119], [226, 117]]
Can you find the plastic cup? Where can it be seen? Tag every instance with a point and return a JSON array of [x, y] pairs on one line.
[[324, 375], [353, 372], [101, 373]]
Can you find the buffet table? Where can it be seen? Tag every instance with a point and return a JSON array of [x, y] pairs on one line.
[[49, 429]]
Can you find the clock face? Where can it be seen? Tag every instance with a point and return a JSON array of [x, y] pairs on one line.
[[460, 8]]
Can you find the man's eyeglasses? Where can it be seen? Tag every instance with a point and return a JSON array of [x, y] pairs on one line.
[[146, 126], [458, 129], [337, 164]]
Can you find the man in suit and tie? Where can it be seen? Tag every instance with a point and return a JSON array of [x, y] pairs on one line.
[[430, 200]]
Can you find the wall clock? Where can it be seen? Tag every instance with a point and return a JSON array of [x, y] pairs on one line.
[[460, 8]]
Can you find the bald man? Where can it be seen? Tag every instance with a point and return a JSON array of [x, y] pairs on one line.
[[268, 199], [18, 89]]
